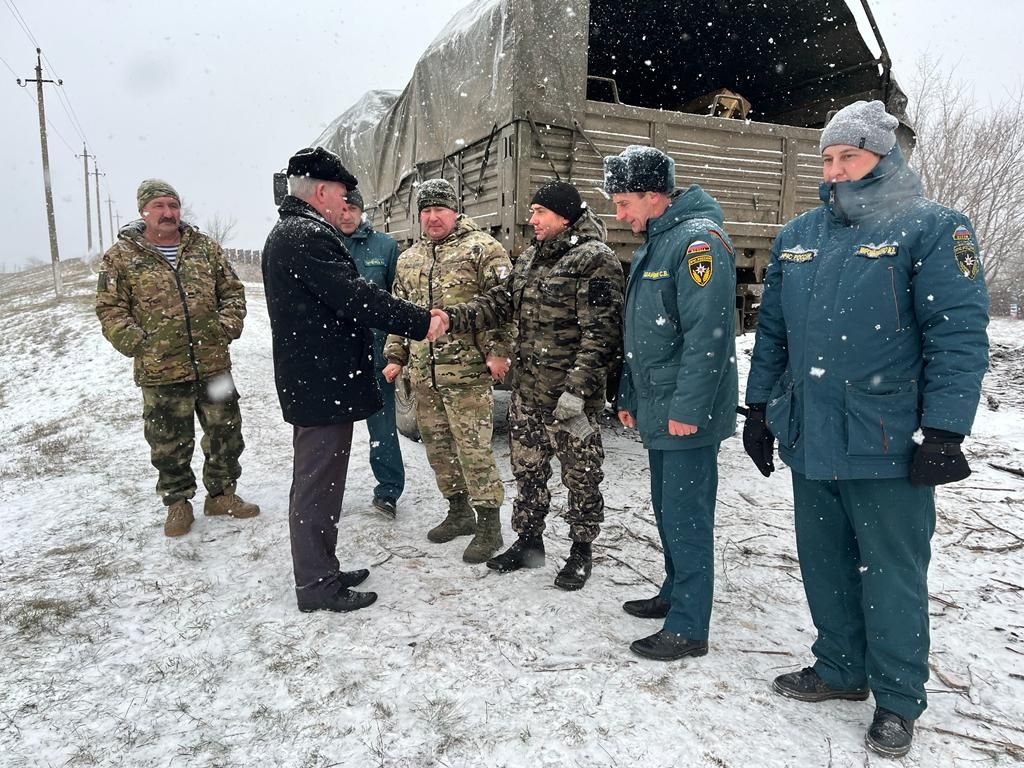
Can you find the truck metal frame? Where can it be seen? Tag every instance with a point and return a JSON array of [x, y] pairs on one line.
[[501, 103]]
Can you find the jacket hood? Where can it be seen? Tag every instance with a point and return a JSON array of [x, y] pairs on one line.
[[889, 183], [133, 231], [363, 231], [463, 226], [692, 203], [587, 227]]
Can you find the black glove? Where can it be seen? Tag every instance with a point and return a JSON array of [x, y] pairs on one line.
[[939, 460], [758, 441]]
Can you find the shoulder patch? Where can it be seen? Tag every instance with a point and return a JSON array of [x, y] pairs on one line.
[[965, 252], [599, 292], [698, 246], [700, 266], [798, 255], [961, 233]]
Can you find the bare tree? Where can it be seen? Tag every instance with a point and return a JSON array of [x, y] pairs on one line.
[[970, 158], [221, 228]]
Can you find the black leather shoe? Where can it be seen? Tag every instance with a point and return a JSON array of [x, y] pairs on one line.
[[525, 552], [352, 578], [807, 685], [651, 608], [576, 571], [387, 505], [889, 735], [341, 601], [668, 646]]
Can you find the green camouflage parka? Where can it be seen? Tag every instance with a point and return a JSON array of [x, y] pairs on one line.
[[565, 296], [176, 322], [435, 274]]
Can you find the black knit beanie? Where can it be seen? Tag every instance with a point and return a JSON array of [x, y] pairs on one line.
[[562, 198]]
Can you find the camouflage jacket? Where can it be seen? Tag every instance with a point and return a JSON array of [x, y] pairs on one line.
[[566, 297], [434, 274], [177, 322]]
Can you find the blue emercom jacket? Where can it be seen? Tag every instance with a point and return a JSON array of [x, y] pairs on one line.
[[375, 255], [680, 327], [872, 324]]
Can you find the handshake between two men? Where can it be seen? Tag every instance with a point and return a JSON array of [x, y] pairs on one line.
[[439, 325]]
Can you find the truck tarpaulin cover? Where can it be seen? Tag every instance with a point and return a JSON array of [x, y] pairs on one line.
[[496, 60]]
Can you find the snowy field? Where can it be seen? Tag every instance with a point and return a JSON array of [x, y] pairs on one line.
[[119, 646]]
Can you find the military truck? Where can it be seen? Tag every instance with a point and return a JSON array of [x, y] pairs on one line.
[[515, 93]]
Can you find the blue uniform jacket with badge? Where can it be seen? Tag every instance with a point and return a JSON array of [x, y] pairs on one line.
[[375, 255], [680, 329], [872, 324]]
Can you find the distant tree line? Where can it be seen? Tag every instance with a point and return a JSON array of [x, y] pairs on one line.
[[970, 157]]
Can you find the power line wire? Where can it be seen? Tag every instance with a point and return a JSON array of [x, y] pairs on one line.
[[21, 21]]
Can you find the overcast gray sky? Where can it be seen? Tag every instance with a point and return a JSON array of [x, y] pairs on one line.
[[215, 96]]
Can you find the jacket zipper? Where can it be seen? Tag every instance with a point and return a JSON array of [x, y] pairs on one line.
[[184, 305], [430, 300], [892, 278]]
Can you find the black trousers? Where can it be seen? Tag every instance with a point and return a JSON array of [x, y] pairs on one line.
[[319, 468]]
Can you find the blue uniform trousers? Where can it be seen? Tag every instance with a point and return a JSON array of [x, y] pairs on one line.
[[385, 452], [683, 488], [864, 548]]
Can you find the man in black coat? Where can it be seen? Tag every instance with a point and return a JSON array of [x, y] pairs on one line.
[[321, 313]]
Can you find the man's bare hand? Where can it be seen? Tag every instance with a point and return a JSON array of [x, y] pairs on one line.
[[498, 366], [626, 419], [680, 429], [438, 324], [391, 371]]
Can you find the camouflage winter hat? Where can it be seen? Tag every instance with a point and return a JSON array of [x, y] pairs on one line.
[[437, 192], [150, 189], [639, 169], [863, 124]]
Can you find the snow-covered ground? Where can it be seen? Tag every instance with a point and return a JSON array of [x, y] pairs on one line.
[[119, 646]]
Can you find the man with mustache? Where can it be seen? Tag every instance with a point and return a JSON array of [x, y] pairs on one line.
[[168, 298]]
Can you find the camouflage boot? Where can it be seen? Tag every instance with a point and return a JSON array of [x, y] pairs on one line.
[[460, 521], [488, 536], [179, 518], [229, 504]]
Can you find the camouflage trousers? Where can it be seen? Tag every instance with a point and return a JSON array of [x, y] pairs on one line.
[[534, 438], [456, 424], [169, 414]]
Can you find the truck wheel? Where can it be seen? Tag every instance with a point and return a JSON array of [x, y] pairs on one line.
[[405, 409]]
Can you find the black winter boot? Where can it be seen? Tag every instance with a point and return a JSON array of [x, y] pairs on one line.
[[525, 552], [576, 571], [890, 735], [807, 685]]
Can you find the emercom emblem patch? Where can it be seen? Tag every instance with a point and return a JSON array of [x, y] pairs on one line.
[[965, 252], [699, 262]]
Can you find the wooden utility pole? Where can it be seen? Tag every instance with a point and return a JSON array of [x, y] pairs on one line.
[[99, 216], [54, 254], [88, 213], [110, 217]]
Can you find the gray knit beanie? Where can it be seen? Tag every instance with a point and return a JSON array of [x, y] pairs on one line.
[[863, 124], [437, 192]]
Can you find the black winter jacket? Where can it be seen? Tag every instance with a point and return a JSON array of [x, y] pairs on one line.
[[321, 313]]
